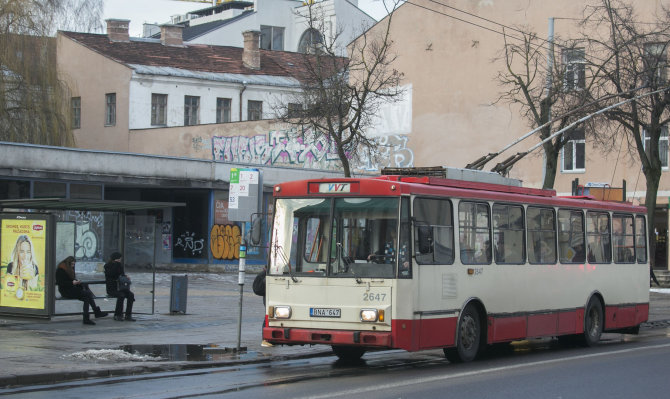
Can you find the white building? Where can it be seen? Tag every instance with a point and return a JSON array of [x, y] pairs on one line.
[[282, 23]]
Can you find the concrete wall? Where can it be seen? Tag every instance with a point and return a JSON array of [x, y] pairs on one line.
[[143, 86]]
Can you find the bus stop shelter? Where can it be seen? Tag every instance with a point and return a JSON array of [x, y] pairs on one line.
[[33, 241]]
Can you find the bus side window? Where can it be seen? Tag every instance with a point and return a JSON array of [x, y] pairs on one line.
[[623, 238], [571, 247], [541, 235], [433, 231], [508, 234], [474, 232], [641, 239]]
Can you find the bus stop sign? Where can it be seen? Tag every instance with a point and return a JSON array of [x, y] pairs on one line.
[[244, 194]]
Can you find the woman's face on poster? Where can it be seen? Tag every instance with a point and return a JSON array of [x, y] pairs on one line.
[[25, 253]]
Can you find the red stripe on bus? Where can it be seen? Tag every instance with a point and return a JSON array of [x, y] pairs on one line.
[[414, 335]]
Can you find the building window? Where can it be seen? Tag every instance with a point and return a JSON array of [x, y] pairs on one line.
[[310, 42], [574, 152], [662, 146], [110, 109], [655, 64], [158, 109], [294, 110], [254, 110], [76, 112], [191, 108], [223, 110], [272, 37], [575, 71]]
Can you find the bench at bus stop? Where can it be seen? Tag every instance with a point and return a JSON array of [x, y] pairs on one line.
[[105, 297]]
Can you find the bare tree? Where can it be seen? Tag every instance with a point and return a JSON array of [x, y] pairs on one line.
[[547, 93], [33, 100], [633, 65], [340, 96]]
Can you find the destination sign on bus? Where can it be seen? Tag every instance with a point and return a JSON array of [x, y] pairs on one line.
[[335, 187]]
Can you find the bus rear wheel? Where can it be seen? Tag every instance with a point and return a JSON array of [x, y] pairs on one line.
[[468, 337], [348, 353], [593, 322]]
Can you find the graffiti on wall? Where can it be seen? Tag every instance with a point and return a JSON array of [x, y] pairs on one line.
[[306, 149], [188, 245], [88, 234], [225, 241]]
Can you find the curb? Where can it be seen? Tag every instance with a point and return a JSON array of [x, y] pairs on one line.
[[14, 381]]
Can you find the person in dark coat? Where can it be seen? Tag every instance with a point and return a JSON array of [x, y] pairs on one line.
[[113, 269], [70, 287]]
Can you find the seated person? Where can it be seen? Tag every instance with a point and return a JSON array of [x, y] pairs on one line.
[[70, 287]]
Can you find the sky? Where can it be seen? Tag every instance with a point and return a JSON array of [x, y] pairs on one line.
[[159, 11]]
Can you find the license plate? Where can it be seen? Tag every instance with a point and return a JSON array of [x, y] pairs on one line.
[[324, 312]]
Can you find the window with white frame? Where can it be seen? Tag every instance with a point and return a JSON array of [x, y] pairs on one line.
[[223, 106], [272, 37], [191, 110], [158, 109], [110, 109], [575, 69], [656, 63], [662, 146], [573, 154]]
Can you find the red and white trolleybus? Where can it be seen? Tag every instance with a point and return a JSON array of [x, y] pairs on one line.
[[425, 262]]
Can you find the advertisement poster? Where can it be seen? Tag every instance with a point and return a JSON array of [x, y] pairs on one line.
[[23, 249]]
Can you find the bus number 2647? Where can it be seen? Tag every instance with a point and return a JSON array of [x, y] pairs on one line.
[[372, 297]]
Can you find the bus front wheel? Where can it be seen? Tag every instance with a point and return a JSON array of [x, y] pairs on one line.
[[593, 322], [348, 353], [468, 337]]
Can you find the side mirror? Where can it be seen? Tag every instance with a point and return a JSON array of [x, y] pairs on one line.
[[256, 227], [425, 238]]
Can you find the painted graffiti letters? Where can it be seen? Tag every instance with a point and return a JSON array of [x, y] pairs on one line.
[[187, 243], [225, 241], [308, 149]]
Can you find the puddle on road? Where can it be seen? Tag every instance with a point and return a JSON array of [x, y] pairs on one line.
[[184, 352]]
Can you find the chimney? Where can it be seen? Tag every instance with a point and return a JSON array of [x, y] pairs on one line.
[[251, 56], [171, 35], [117, 30]]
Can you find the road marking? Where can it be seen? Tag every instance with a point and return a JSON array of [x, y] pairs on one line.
[[359, 391]]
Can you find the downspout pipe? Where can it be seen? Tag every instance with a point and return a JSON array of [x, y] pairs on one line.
[[244, 87]]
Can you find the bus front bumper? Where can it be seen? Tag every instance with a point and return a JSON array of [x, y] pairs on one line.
[[300, 336]]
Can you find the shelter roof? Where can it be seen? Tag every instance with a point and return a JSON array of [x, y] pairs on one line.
[[85, 204]]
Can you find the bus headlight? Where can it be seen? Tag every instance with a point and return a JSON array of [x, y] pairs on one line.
[[369, 315], [282, 312]]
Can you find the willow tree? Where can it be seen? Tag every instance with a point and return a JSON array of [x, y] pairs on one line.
[[34, 102], [342, 89]]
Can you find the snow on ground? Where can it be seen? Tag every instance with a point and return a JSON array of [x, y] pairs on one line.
[[660, 290], [111, 355]]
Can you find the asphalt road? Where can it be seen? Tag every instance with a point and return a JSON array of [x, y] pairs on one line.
[[623, 366]]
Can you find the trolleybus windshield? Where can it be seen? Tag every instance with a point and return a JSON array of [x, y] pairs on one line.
[[337, 237]]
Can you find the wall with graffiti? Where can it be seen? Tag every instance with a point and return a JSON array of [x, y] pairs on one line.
[[307, 149], [89, 234]]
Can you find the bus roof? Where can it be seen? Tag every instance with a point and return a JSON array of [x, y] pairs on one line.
[[395, 185]]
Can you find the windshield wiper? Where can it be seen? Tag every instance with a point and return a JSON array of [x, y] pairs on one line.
[[280, 250], [348, 266]]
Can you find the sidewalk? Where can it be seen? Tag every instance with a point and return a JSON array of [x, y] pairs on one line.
[[34, 351]]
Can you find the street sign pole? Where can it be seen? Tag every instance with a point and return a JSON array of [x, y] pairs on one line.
[[240, 281]]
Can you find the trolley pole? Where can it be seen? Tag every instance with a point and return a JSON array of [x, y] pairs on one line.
[[240, 281]]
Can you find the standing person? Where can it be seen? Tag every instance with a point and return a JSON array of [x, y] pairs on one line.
[[259, 289], [113, 269], [70, 287]]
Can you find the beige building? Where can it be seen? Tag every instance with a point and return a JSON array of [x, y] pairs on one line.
[[450, 59]]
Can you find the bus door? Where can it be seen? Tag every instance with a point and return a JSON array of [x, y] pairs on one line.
[[435, 271]]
